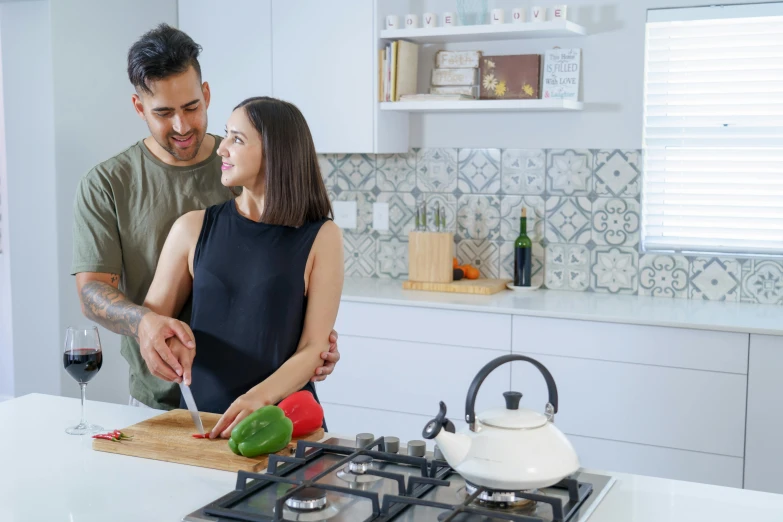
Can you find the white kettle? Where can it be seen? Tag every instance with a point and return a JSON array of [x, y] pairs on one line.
[[506, 449]]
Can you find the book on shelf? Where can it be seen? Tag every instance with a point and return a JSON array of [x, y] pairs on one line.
[[435, 97], [466, 90], [449, 77], [398, 64], [562, 68], [510, 77], [457, 59]]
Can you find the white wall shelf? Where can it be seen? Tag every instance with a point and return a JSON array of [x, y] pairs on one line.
[[484, 33], [483, 106]]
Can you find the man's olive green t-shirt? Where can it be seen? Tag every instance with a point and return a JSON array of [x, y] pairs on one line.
[[123, 211]]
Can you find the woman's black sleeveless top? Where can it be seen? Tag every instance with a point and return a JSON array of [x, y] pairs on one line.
[[248, 303]]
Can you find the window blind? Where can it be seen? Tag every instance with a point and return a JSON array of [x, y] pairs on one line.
[[713, 130]]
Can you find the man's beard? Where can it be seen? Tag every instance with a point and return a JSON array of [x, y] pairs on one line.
[[179, 154]]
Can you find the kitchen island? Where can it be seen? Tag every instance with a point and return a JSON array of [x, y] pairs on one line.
[[49, 475]]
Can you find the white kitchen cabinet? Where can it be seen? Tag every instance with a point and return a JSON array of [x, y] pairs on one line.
[[660, 401], [236, 57], [652, 345], [426, 325], [325, 62], [641, 459], [407, 377], [667, 407], [764, 450]]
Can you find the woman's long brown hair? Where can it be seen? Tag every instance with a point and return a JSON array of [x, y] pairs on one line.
[[294, 191]]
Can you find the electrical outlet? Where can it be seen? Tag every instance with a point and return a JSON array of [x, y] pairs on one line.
[[380, 216], [345, 214]]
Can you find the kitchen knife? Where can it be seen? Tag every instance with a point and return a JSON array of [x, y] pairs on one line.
[[188, 396]]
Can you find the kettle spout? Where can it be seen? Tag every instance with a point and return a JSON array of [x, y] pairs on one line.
[[454, 446]]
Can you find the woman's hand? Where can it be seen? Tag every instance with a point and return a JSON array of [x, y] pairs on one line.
[[239, 409], [183, 355], [330, 359]]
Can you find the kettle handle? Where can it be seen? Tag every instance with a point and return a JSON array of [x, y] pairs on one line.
[[470, 403]]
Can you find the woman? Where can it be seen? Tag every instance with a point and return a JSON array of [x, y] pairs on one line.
[[265, 270]]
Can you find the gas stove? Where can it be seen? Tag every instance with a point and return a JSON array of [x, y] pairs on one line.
[[372, 480]]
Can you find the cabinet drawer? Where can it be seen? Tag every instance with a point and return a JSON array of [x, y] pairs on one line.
[[425, 325], [412, 377], [657, 345], [693, 466], [668, 407]]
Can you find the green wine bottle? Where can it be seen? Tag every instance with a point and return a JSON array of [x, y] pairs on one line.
[[522, 253]]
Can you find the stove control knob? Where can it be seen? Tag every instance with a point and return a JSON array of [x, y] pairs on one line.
[[364, 439], [417, 448], [437, 453], [392, 444]]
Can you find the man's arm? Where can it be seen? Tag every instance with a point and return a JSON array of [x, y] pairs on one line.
[[102, 302]]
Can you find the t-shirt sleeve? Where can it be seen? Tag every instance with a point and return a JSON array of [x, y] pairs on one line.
[[96, 237]]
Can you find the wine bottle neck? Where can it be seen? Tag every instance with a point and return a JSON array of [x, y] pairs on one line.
[[522, 226]]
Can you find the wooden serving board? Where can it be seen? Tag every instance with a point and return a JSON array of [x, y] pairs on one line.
[[169, 437], [463, 286]]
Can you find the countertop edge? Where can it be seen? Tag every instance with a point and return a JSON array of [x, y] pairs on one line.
[[571, 315]]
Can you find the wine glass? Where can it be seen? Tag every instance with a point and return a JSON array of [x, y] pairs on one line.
[[82, 359]]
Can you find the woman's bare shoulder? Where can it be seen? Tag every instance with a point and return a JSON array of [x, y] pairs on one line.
[[188, 226], [329, 235]]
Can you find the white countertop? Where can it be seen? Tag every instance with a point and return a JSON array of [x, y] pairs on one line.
[[590, 306], [51, 476]]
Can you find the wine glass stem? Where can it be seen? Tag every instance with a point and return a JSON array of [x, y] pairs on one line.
[[83, 386]]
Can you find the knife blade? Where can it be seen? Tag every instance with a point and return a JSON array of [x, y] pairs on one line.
[[188, 396]]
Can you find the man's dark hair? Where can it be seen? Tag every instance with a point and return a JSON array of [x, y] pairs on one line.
[[160, 53]]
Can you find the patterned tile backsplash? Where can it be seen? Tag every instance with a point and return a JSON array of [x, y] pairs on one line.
[[584, 217]]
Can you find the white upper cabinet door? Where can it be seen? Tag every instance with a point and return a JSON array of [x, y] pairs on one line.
[[236, 57], [323, 63]]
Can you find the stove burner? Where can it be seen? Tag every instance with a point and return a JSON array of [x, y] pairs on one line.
[[307, 499], [500, 499], [355, 473], [360, 464]]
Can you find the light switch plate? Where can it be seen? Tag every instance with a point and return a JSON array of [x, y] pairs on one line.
[[345, 214], [380, 216]]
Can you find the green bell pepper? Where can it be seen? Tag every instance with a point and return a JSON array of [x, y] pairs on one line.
[[266, 430]]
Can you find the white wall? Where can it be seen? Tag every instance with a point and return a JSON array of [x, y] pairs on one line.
[[613, 67], [31, 201], [6, 347], [207, 22], [94, 120]]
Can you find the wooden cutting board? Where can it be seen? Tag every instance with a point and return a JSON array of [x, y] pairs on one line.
[[463, 286], [169, 437]]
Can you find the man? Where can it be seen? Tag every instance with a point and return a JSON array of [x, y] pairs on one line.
[[126, 205]]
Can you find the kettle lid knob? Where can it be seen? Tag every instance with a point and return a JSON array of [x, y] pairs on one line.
[[512, 399]]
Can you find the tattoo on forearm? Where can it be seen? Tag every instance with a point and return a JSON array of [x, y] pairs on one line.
[[114, 279], [109, 307]]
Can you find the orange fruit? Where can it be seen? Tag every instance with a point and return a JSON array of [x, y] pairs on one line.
[[455, 263], [472, 273]]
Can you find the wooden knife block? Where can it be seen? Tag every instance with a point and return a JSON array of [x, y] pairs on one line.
[[430, 257]]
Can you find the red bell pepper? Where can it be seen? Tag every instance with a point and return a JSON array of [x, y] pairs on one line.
[[304, 411]]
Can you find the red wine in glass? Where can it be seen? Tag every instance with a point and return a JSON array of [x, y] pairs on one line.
[[83, 363], [82, 359]]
